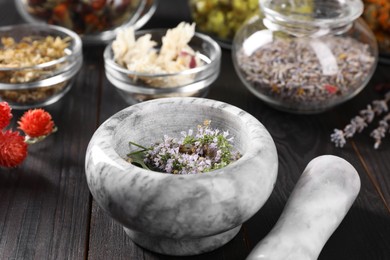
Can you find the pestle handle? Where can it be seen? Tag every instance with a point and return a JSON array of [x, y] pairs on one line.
[[321, 198]]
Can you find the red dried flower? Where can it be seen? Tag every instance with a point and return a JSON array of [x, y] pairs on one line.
[[13, 149], [36, 122], [5, 115], [331, 89]]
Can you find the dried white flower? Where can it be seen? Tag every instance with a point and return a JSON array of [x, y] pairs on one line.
[[142, 55]]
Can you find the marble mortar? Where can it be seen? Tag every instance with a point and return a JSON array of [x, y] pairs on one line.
[[180, 214]]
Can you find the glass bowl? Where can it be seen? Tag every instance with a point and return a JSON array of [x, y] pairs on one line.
[[95, 21], [222, 18], [43, 84], [308, 57], [136, 87], [146, 13], [377, 16]]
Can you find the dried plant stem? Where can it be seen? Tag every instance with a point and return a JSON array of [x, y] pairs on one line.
[[380, 132], [361, 121], [34, 140]]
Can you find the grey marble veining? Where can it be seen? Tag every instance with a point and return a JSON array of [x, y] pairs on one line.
[[190, 246], [180, 214], [322, 197]]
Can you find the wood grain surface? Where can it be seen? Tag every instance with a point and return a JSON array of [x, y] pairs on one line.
[[47, 212]]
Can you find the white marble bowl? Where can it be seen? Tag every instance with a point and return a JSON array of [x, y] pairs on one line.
[[180, 214]]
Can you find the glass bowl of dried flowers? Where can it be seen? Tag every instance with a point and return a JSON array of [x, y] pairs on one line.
[[158, 63], [38, 64], [220, 18], [209, 167], [95, 21]]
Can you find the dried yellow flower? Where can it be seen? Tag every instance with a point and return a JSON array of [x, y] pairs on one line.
[[24, 56], [29, 52]]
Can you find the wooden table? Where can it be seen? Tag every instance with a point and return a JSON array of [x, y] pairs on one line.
[[47, 212]]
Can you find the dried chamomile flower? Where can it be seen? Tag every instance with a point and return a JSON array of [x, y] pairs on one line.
[[29, 52]]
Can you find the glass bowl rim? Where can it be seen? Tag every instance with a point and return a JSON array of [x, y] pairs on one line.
[[356, 9], [76, 49], [63, 76], [216, 53]]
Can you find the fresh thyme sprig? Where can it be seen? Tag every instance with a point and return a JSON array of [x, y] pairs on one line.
[[137, 157], [207, 150]]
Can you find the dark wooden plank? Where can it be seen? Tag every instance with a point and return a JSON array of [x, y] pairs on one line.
[[45, 203], [376, 161], [361, 227], [107, 238], [364, 234], [9, 14], [300, 138]]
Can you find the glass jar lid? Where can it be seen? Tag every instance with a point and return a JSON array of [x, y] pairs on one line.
[[311, 16]]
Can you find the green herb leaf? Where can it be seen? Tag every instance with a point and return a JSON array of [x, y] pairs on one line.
[[137, 158]]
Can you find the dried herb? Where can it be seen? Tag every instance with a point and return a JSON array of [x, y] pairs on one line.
[[29, 52], [143, 55], [292, 71], [222, 18], [206, 150], [380, 132], [377, 15], [361, 121], [83, 17]]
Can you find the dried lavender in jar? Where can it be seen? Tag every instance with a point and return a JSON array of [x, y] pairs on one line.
[[308, 73]]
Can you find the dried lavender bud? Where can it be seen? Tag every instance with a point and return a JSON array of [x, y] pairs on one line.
[[380, 132], [380, 106], [359, 122], [368, 114], [288, 70], [209, 149], [338, 138]]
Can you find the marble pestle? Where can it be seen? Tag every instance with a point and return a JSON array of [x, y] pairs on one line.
[[317, 205]]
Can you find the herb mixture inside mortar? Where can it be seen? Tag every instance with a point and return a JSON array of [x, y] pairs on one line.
[[206, 150]]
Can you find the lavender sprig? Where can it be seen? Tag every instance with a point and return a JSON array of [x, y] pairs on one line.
[[208, 149], [380, 132], [361, 121]]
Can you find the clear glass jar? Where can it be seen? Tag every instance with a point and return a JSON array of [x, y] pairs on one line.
[[222, 18], [305, 56], [95, 21]]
